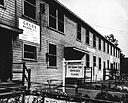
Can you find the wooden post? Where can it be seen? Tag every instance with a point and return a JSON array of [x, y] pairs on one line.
[[64, 87], [23, 74], [29, 78]]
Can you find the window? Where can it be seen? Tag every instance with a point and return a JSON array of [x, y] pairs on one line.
[[99, 44], [108, 48], [116, 52], [2, 2], [30, 52], [60, 21], [104, 47], [52, 55], [114, 65], [108, 64], [30, 8], [111, 50], [78, 32], [87, 36], [99, 63], [52, 17], [94, 40], [56, 18], [87, 60], [94, 61]]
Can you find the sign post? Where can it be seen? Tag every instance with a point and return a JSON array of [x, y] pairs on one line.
[[72, 69]]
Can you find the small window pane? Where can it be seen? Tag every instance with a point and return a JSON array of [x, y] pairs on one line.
[[2, 2], [78, 32], [52, 11], [29, 10], [52, 49], [94, 40], [94, 60], [61, 26], [87, 60], [99, 63], [52, 22], [60, 15], [87, 36], [99, 44], [52, 60]]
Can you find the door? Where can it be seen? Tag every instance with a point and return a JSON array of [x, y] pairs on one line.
[[5, 56]]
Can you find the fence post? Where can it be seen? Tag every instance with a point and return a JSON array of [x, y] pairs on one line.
[[29, 78], [23, 74]]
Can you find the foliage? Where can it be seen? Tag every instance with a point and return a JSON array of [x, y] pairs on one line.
[[104, 95], [124, 98], [15, 99], [112, 39]]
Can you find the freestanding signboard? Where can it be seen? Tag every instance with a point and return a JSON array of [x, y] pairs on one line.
[[75, 71], [72, 69]]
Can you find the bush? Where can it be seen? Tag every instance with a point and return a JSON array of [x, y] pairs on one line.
[[124, 98], [104, 95]]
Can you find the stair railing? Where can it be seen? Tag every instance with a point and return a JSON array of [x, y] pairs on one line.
[[26, 74]]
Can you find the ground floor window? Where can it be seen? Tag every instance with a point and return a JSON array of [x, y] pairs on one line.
[[99, 63], [30, 52], [87, 60], [52, 55]]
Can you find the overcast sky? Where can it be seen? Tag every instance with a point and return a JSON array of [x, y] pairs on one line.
[[106, 16]]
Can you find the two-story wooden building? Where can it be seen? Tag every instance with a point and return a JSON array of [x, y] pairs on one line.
[[42, 33]]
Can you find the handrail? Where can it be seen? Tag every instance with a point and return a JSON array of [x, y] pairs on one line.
[[24, 76]]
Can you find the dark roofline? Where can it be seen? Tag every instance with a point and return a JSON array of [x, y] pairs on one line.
[[66, 10]]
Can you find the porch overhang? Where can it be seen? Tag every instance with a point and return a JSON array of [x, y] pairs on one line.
[[10, 28], [74, 53]]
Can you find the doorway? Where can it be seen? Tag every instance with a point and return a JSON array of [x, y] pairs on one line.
[[5, 56]]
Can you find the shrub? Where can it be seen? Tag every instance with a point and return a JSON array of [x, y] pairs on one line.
[[104, 95]]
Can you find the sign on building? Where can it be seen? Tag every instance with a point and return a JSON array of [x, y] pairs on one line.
[[31, 31]]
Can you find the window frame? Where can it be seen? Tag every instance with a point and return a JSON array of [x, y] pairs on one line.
[[108, 63], [78, 32], [111, 50], [87, 60], [87, 37], [58, 19], [30, 52], [108, 48], [52, 55], [100, 63], [99, 47], [94, 61], [104, 46], [33, 5], [94, 40]]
